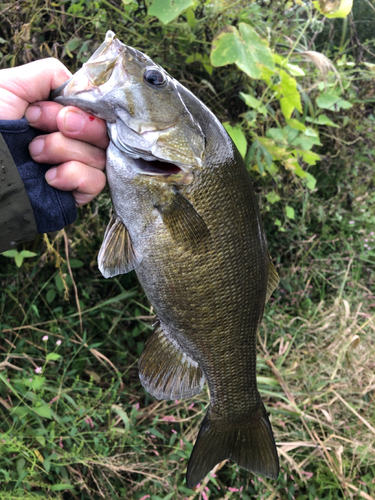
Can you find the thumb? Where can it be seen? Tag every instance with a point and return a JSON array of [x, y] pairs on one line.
[[30, 83]]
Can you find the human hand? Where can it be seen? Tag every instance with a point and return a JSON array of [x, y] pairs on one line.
[[75, 141]]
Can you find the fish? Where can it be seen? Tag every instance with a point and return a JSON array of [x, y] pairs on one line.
[[186, 219]]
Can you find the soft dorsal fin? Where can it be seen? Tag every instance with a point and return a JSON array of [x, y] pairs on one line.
[[185, 224], [165, 371], [117, 254], [273, 279]]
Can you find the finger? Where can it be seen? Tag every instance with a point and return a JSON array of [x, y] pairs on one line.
[[29, 83], [55, 148], [84, 181], [75, 123], [43, 115]]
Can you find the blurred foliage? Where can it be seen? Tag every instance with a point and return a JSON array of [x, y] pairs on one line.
[[75, 422]]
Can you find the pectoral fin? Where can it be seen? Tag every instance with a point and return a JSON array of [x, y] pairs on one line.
[[165, 371], [185, 224], [273, 279], [117, 254]]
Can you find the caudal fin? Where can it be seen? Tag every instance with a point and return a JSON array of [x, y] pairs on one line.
[[251, 446]]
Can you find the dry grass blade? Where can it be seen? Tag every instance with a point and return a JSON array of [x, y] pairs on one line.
[[363, 420]]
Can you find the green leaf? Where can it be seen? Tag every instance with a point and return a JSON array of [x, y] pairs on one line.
[[291, 98], [289, 212], [238, 137], [322, 120], [124, 417], [245, 48], [20, 464], [331, 101], [190, 17], [295, 70], [18, 259], [254, 103], [73, 44], [53, 356], [76, 263], [50, 296], [26, 254], [43, 411], [61, 486], [10, 253], [167, 10], [35, 383], [311, 181], [41, 440], [272, 197], [296, 124]]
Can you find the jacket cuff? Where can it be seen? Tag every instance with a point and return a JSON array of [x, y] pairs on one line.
[[53, 209]]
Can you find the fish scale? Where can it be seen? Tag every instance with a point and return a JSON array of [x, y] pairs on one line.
[[192, 231]]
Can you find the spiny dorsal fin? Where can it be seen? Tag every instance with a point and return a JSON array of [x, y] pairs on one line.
[[185, 224], [117, 254], [165, 371], [273, 279]]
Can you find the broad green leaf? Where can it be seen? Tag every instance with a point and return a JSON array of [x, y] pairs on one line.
[[296, 124], [272, 197], [277, 134], [295, 70], [50, 296], [310, 132], [322, 120], [190, 17], [76, 263], [53, 356], [245, 48], [238, 137], [20, 464], [18, 259], [308, 156], [291, 97], [73, 44], [254, 103], [27, 254], [167, 10], [43, 411], [35, 383], [10, 253], [289, 212], [41, 440], [311, 181], [332, 101]]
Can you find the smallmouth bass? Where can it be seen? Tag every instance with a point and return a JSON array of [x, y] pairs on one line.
[[187, 221]]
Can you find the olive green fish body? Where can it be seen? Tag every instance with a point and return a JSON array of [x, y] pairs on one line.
[[187, 220]]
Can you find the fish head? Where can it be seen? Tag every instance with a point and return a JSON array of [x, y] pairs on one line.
[[147, 118]]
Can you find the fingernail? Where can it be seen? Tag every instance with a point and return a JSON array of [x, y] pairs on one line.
[[33, 113], [51, 174], [74, 122], [36, 147]]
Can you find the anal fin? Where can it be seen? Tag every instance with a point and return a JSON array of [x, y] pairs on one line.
[[165, 371], [117, 254]]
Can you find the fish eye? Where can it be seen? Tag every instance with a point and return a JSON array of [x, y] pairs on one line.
[[154, 77]]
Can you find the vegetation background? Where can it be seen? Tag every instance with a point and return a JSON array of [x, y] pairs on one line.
[[74, 421]]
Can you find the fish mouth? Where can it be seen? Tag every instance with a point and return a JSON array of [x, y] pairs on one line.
[[158, 167]]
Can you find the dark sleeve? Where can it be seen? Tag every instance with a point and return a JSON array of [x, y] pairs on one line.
[[29, 205]]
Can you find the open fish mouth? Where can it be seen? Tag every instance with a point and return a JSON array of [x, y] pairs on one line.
[[157, 167]]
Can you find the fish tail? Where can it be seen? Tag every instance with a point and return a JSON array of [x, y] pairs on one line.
[[251, 446]]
